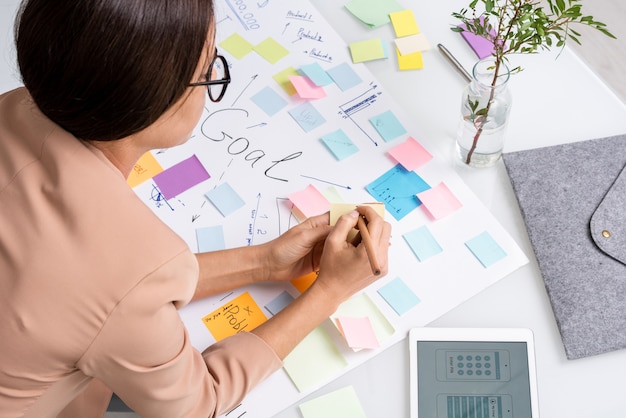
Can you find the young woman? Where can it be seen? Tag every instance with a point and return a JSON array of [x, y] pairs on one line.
[[90, 278]]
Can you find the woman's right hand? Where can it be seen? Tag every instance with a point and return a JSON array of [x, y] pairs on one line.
[[344, 267]]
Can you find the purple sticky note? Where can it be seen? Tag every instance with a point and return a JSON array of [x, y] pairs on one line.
[[481, 46], [181, 177]]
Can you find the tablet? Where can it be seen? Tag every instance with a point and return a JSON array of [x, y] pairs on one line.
[[472, 373]]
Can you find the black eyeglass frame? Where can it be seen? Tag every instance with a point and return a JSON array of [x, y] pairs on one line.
[[224, 81]]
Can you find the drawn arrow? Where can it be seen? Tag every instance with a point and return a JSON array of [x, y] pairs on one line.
[[262, 5], [327, 182], [245, 88]]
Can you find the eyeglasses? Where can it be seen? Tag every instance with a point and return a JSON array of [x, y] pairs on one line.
[[217, 87]]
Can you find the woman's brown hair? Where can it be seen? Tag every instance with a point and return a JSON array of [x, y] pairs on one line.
[[106, 69]]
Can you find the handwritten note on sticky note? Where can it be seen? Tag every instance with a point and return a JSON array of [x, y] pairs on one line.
[[388, 126], [271, 50], [370, 50], [344, 76], [305, 88], [279, 303], [422, 243], [439, 201], [316, 74], [398, 189], [414, 61], [341, 403], [181, 177], [308, 202], [269, 101], [314, 360], [210, 238], [404, 23], [411, 154], [399, 296], [339, 144], [237, 46], [146, 168], [373, 13], [240, 314], [486, 249], [412, 44], [225, 199], [358, 332], [282, 78], [307, 116]]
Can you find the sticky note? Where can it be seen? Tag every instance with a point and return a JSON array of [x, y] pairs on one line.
[[482, 47], [414, 61], [486, 249], [210, 238], [369, 50], [225, 199], [344, 76], [341, 403], [146, 168], [388, 126], [358, 332], [282, 78], [271, 50], [422, 243], [308, 202], [398, 189], [307, 116], [439, 201], [399, 296], [302, 283], [238, 315], [338, 209], [412, 44], [404, 23], [411, 154], [181, 177], [305, 88], [316, 74], [373, 13], [269, 101], [279, 303], [313, 361], [339, 144], [361, 305], [236, 46]]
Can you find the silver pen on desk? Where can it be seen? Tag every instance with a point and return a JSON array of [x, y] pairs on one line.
[[453, 61]]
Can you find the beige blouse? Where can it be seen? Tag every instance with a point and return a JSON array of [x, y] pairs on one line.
[[90, 284]]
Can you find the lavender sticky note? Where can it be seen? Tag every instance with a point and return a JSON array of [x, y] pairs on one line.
[[181, 177], [481, 46]]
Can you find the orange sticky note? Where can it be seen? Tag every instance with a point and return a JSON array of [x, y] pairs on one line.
[[240, 314], [302, 283], [146, 168]]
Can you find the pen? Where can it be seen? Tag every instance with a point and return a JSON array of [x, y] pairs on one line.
[[369, 247], [454, 62]]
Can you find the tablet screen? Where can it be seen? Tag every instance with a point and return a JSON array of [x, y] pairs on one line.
[[473, 379]]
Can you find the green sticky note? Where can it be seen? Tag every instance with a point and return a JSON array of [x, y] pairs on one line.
[[338, 404], [271, 50], [372, 49], [236, 46], [373, 13]]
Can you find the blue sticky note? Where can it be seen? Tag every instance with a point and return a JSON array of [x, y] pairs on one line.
[[316, 74], [388, 126], [307, 116], [279, 303], [399, 296], [225, 199], [485, 249], [422, 243], [344, 76], [269, 101], [210, 238], [397, 189], [339, 144]]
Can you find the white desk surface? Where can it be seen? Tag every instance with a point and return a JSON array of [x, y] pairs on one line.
[[555, 101]]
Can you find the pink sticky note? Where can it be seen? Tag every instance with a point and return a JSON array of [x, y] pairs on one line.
[[481, 46], [439, 201], [309, 202], [181, 177], [411, 154], [358, 332], [305, 88]]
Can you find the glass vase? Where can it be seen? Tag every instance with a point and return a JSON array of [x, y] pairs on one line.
[[485, 108]]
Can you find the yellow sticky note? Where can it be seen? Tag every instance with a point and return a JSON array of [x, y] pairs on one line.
[[404, 23], [240, 314], [372, 49], [413, 61], [146, 168], [237, 46], [284, 82], [271, 50]]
